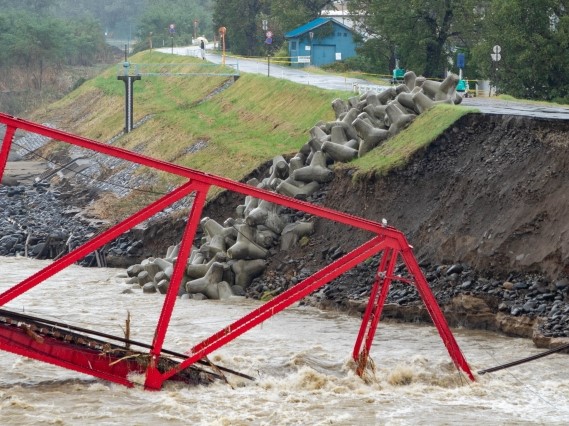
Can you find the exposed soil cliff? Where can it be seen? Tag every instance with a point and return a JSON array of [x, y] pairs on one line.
[[491, 192], [489, 196]]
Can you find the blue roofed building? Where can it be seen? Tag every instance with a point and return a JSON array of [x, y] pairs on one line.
[[320, 42]]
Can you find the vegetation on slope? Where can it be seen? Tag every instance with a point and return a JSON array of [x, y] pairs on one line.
[[396, 151], [236, 130]]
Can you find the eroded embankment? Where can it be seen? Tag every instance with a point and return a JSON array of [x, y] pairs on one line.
[[492, 192], [485, 208]]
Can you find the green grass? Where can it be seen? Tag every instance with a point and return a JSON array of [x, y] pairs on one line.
[[249, 123], [528, 101], [371, 78], [396, 151]]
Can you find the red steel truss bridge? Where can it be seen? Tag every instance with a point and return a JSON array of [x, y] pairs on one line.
[[92, 353]]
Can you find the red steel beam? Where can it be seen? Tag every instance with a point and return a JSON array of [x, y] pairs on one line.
[[96, 242], [196, 175]]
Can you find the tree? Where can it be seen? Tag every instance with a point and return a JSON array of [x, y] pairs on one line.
[[290, 14], [422, 34], [159, 15], [533, 36], [242, 19]]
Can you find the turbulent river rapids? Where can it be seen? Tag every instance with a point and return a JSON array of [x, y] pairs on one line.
[[300, 359]]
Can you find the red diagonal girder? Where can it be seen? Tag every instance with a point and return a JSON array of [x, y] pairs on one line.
[[386, 238]]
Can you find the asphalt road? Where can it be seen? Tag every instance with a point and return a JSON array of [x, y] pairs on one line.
[[332, 82]]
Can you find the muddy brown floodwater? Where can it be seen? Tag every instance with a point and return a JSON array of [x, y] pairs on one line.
[[301, 359]]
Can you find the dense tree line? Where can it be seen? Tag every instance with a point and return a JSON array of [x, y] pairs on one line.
[[427, 36], [244, 20], [423, 35]]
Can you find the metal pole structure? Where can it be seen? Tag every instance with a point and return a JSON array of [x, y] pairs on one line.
[[129, 99], [172, 31], [222, 31], [128, 93]]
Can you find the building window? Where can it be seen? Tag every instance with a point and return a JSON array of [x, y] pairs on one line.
[[345, 34], [293, 45]]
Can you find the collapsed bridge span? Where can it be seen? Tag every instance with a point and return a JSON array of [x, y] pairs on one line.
[[390, 243]]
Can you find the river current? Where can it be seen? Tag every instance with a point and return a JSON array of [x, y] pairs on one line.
[[300, 358]]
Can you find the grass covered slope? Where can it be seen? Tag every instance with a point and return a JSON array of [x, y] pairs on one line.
[[207, 122], [238, 128], [396, 151]]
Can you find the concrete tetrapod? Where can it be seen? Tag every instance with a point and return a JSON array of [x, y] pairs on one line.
[[293, 232], [341, 153], [198, 271], [316, 171], [409, 79], [208, 284], [245, 247], [406, 99], [399, 119], [339, 107], [442, 91], [338, 135], [371, 137], [279, 169], [268, 214], [247, 270], [371, 119], [423, 102], [296, 162], [299, 192]]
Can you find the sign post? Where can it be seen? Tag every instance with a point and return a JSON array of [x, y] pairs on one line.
[[460, 61], [172, 31], [496, 56], [268, 42]]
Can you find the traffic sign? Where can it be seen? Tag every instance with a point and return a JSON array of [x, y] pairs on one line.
[[496, 49], [269, 40], [496, 56], [172, 28], [460, 60], [269, 34]]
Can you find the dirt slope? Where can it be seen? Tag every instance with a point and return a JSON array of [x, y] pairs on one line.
[[491, 192]]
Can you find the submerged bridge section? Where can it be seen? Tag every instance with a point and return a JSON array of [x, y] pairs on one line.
[[38, 339]]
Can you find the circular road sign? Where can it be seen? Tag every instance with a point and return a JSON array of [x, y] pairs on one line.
[[496, 49], [269, 34]]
